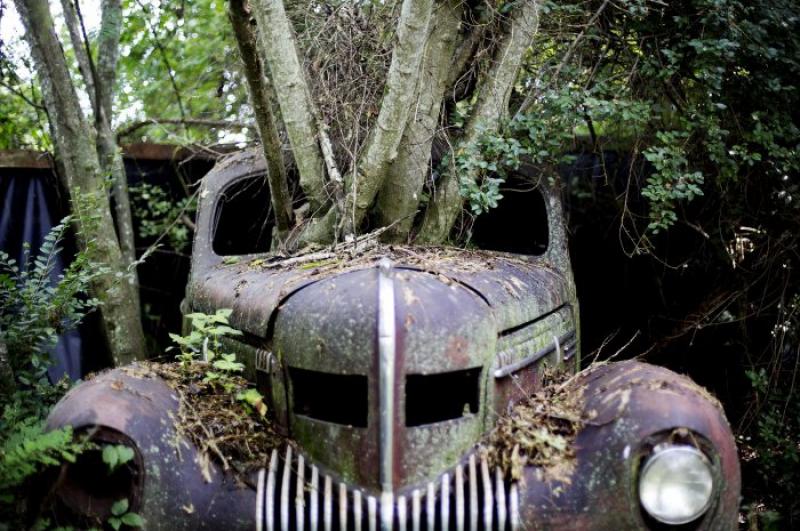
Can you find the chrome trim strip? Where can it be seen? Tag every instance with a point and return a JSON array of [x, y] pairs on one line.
[[299, 495], [327, 504], [260, 500], [372, 509], [342, 506], [501, 498], [459, 498], [357, 509], [488, 498], [314, 503], [514, 507], [445, 502], [528, 360], [270, 500], [473, 494], [386, 360], [387, 511], [287, 468]]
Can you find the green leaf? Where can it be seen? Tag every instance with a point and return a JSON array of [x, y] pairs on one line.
[[110, 456], [114, 522], [133, 520], [120, 507]]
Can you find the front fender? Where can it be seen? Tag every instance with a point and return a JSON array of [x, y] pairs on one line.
[[630, 407]]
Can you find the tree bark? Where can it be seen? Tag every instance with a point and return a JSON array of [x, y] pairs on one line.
[[399, 196], [401, 83], [99, 81], [75, 147], [278, 47], [491, 109], [107, 149], [79, 47], [260, 98]]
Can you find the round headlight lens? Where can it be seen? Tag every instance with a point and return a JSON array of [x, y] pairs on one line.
[[676, 484]]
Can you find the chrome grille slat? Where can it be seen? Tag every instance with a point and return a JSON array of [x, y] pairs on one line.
[[342, 506], [473, 494], [416, 509], [459, 498], [445, 501], [401, 513], [269, 502], [488, 495], [501, 499], [357, 509], [299, 494], [372, 509], [327, 504], [287, 468], [314, 503], [467, 498]]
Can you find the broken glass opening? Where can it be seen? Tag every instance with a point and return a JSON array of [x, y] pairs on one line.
[[244, 221], [338, 398], [519, 222], [445, 396]]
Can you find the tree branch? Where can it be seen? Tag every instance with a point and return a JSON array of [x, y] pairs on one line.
[[277, 46], [83, 58], [202, 122], [165, 59], [491, 109], [385, 137], [399, 196], [260, 96]]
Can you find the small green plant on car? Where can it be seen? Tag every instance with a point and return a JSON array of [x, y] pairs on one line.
[[121, 516], [204, 339]]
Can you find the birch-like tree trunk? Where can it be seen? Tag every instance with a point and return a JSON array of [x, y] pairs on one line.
[[491, 109], [366, 179], [399, 197], [278, 49], [74, 140], [99, 79], [260, 98]]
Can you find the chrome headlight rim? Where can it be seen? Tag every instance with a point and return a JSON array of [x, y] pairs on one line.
[[667, 450]]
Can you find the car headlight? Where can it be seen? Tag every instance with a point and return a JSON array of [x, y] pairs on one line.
[[676, 484]]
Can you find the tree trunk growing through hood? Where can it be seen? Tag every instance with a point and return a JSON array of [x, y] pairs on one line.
[[435, 46], [75, 143]]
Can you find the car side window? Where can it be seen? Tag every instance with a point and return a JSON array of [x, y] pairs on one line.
[[519, 222], [243, 218]]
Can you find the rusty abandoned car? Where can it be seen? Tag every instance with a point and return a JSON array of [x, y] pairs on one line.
[[388, 370]]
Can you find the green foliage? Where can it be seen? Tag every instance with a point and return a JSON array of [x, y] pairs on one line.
[[489, 158], [204, 341], [35, 307], [121, 516], [160, 215], [253, 400], [192, 43], [115, 455], [670, 182]]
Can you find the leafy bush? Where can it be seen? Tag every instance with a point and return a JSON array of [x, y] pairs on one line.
[[35, 307]]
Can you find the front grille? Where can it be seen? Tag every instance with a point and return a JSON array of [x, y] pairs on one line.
[[295, 495]]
